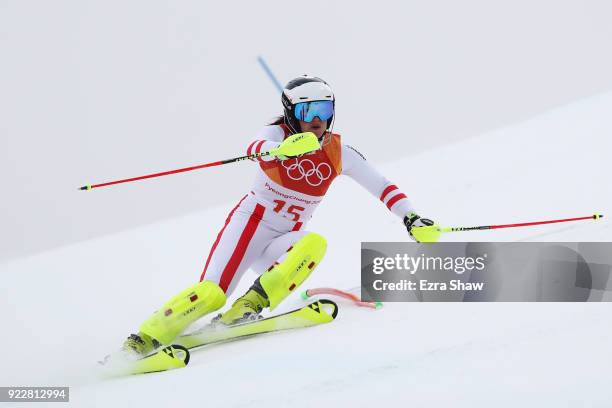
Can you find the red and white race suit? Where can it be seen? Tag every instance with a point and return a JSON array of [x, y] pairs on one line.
[[271, 217]]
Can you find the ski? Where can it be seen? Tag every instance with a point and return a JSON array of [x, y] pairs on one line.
[[315, 313], [166, 358], [177, 355]]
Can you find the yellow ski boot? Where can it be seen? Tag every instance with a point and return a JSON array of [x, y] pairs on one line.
[[174, 317], [278, 282], [140, 344], [245, 308]]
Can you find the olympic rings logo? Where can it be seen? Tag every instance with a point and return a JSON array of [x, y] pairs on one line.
[[306, 169]]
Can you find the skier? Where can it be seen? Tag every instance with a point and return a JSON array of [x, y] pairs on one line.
[[265, 230]]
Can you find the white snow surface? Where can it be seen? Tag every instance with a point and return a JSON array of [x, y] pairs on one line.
[[64, 309]]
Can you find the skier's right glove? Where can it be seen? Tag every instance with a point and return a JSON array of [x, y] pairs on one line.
[[421, 229], [295, 145]]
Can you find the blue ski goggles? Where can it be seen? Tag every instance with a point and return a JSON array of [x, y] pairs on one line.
[[307, 111]]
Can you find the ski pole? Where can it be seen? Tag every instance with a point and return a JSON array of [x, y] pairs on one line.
[[522, 224], [166, 173], [293, 145]]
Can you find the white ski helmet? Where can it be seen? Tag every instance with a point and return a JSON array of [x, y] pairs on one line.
[[302, 89]]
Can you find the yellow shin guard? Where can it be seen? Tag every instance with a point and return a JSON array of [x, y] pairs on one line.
[[182, 310], [282, 279]]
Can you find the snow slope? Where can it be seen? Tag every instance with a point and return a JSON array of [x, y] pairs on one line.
[[64, 309], [151, 84]]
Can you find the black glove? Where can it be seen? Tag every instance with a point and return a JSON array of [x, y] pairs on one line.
[[414, 222]]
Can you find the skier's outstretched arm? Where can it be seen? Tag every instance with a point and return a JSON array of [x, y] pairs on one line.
[[359, 169], [268, 138], [271, 140]]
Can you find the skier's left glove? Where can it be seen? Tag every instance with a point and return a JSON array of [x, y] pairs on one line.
[[421, 229]]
